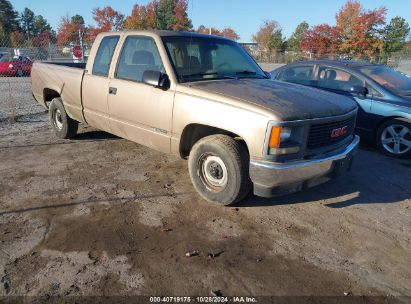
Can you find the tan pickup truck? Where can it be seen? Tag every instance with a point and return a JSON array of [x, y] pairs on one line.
[[204, 98]]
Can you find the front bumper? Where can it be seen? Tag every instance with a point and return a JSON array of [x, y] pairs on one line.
[[274, 179]]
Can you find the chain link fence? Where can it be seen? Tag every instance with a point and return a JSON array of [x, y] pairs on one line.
[[400, 60], [17, 55]]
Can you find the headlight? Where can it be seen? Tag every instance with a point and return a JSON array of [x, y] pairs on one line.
[[11, 66], [285, 134], [279, 135]]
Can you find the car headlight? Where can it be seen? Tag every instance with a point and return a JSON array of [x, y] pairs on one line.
[[279, 137], [285, 134], [11, 66]]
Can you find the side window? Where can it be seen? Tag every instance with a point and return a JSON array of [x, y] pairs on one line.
[[336, 79], [139, 54], [104, 55], [372, 91], [300, 75]]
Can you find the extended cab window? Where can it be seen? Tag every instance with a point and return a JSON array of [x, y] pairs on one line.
[[336, 79], [139, 54], [300, 75], [104, 55]]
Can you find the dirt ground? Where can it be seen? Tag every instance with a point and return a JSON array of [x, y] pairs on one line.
[[100, 215]]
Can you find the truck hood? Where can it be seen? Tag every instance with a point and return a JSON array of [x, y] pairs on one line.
[[286, 100]]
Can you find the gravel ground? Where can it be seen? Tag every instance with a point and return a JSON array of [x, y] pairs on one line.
[[99, 215]]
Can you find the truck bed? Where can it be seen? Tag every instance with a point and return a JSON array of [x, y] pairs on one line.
[[79, 65], [50, 79]]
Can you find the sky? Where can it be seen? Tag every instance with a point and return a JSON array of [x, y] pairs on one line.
[[245, 16]]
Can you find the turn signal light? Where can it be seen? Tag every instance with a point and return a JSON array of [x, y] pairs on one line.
[[275, 137]]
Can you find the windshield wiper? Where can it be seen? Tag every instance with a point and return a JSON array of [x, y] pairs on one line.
[[207, 74], [198, 74], [248, 72]]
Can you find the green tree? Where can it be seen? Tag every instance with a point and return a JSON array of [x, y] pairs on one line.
[[395, 34], [277, 42], [172, 15], [293, 43], [77, 19], [165, 14], [269, 38], [27, 22], [3, 36], [41, 25], [8, 17]]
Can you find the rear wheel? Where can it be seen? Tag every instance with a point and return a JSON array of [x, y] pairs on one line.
[[63, 125], [218, 167], [394, 138]]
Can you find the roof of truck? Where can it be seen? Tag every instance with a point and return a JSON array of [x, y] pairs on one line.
[[164, 33]]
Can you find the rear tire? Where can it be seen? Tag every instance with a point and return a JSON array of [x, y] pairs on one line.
[[218, 167], [62, 124], [394, 138]]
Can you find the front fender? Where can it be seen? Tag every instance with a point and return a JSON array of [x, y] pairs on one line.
[[390, 110], [249, 125]]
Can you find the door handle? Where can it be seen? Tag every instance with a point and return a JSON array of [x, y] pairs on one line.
[[112, 90]]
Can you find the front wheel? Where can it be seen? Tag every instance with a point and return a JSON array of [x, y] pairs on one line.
[[218, 167], [63, 125], [394, 138]]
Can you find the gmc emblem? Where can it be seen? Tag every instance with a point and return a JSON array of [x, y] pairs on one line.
[[339, 132]]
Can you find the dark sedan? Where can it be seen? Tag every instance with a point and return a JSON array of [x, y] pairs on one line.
[[382, 94]]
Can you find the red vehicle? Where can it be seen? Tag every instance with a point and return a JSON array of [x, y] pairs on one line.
[[15, 66]]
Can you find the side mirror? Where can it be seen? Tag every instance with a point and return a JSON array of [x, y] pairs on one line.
[[156, 79], [359, 90]]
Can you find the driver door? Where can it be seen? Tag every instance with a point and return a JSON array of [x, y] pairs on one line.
[[340, 82], [138, 111]]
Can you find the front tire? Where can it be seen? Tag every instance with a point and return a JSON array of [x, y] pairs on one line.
[[218, 167], [394, 138], [62, 124]]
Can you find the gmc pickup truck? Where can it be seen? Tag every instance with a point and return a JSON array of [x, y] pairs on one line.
[[204, 98]]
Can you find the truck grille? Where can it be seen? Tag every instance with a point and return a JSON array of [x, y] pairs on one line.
[[324, 134]]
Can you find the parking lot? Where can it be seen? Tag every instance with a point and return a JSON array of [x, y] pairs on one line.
[[100, 215]]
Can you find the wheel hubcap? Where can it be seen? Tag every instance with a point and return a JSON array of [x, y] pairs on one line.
[[213, 172], [58, 120], [396, 139]]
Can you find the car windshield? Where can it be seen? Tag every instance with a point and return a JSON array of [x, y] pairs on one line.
[[8, 59], [198, 58], [390, 79]]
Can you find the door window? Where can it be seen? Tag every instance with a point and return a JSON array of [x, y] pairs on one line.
[[139, 54], [104, 55], [300, 75], [336, 79]]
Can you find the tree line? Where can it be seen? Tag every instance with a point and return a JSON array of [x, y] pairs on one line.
[[157, 14], [21, 29], [357, 31]]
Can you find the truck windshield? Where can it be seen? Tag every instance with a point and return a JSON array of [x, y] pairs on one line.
[[390, 79], [198, 58]]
